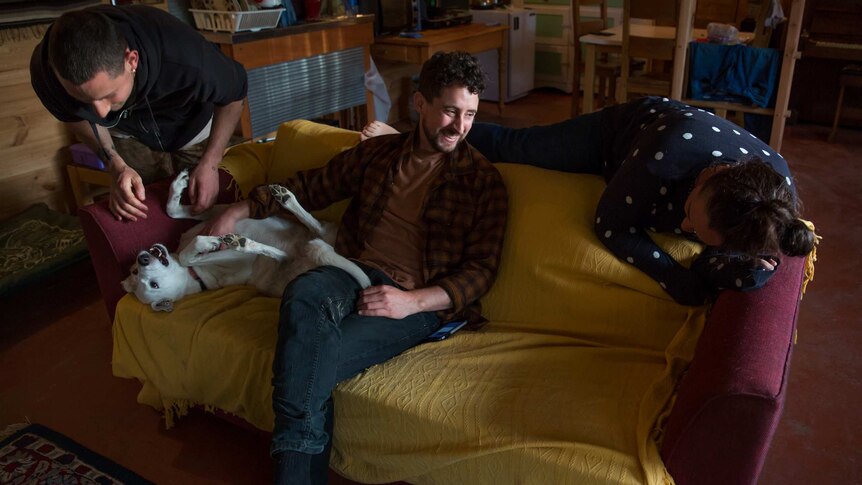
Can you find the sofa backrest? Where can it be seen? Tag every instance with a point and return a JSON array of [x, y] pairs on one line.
[[299, 145]]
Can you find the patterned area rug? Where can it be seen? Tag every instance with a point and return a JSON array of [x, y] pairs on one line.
[[37, 242], [38, 455]]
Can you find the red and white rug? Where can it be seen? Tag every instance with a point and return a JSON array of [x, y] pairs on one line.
[[35, 454]]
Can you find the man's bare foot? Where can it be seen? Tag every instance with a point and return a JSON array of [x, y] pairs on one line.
[[376, 128]]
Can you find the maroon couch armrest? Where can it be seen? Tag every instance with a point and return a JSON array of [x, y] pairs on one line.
[[731, 398], [114, 245]]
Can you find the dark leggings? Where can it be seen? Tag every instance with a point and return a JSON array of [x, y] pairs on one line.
[[570, 146]]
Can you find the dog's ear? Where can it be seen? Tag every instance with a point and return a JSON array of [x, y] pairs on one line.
[[162, 305], [130, 283]]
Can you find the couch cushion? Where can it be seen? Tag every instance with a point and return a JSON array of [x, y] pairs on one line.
[[302, 145], [558, 278], [299, 145]]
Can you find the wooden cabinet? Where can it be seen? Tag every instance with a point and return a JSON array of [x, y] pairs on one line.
[[554, 44], [555, 56]]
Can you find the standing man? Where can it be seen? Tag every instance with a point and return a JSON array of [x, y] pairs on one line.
[[426, 224], [145, 74]]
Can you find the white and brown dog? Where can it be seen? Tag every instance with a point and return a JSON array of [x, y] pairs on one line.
[[266, 253]]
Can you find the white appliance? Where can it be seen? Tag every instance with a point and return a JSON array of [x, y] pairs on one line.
[[522, 52]]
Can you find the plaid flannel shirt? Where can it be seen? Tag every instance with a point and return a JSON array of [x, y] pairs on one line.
[[464, 213]]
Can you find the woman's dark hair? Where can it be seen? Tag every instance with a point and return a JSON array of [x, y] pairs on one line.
[[756, 211], [446, 69], [83, 43]]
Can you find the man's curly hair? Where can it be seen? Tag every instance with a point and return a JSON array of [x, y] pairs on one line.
[[446, 69]]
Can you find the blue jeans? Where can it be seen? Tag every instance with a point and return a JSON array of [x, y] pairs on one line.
[[574, 145], [322, 341]]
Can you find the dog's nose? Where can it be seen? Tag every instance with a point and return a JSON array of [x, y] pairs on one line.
[[144, 258]]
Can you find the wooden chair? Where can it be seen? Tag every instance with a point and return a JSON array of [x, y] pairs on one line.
[[851, 76], [790, 53], [665, 67], [607, 69]]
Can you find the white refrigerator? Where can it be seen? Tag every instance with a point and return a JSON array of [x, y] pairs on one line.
[[522, 53]]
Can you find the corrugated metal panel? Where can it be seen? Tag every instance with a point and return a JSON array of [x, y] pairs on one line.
[[306, 88]]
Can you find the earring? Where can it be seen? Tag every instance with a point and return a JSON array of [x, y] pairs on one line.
[[134, 71]]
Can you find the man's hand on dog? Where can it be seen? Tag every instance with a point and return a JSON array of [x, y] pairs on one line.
[[203, 187], [126, 200], [225, 223]]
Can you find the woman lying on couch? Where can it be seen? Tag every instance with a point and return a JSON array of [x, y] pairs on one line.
[[670, 168]]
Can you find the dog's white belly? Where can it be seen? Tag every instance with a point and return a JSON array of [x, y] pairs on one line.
[[269, 276]]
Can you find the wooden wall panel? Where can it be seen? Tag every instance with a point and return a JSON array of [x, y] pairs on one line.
[[722, 11], [33, 144]]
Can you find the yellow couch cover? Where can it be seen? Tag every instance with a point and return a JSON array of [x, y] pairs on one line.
[[567, 384]]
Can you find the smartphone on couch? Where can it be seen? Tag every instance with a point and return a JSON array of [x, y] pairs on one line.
[[445, 331]]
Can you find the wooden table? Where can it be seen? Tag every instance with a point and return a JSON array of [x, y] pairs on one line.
[[612, 41], [472, 38], [271, 47]]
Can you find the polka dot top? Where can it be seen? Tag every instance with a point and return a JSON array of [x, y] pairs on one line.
[[653, 150]]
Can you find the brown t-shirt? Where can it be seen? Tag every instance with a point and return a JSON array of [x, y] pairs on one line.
[[396, 245]]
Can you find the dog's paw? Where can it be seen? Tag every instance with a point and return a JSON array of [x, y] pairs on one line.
[[206, 244], [234, 241], [281, 193], [181, 182]]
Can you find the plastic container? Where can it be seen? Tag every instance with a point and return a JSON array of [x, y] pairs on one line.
[[82, 155], [721, 34], [224, 21]]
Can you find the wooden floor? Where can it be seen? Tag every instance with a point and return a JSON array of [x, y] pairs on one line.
[[55, 349]]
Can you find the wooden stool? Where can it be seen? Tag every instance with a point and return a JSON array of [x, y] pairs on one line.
[[82, 178], [851, 75]]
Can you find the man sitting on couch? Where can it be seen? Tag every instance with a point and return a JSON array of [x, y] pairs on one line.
[[426, 224]]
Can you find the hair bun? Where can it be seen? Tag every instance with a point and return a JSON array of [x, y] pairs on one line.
[[797, 239]]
